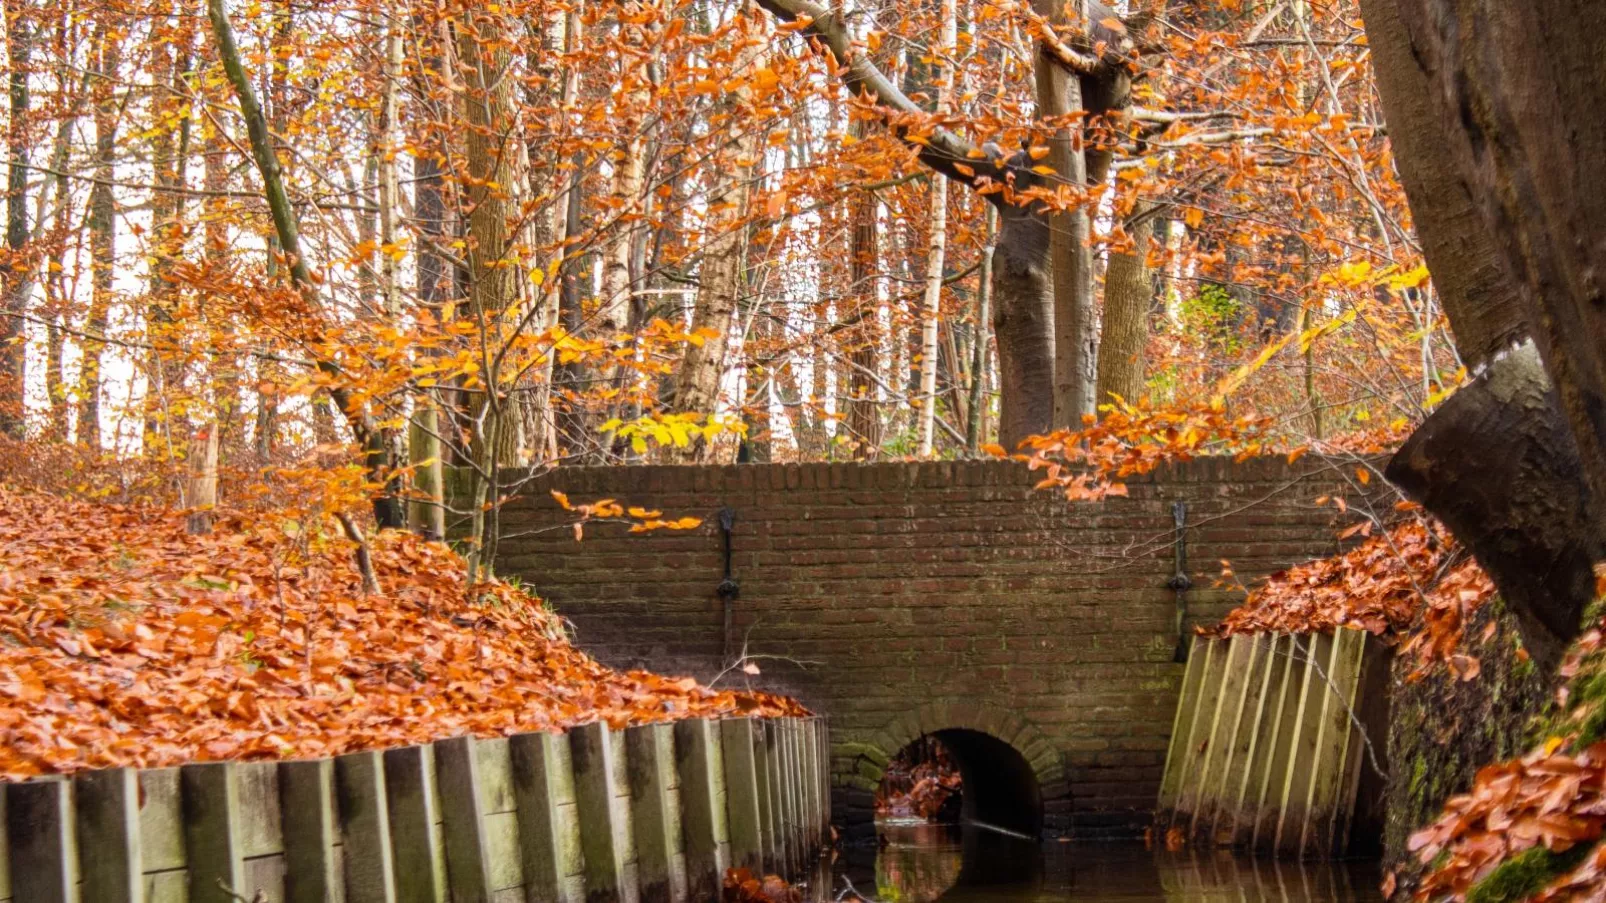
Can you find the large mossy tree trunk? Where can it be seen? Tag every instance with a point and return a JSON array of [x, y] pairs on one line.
[[1486, 103]]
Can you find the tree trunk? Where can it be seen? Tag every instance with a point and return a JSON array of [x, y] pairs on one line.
[[721, 283], [864, 414], [107, 56], [1023, 320], [1524, 511], [1128, 300], [976, 424], [936, 255], [1518, 88], [1477, 295], [1496, 157], [15, 280]]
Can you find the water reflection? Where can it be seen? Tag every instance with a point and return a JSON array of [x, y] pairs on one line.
[[926, 863]]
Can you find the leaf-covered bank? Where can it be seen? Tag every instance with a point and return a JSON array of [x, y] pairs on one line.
[[124, 640]]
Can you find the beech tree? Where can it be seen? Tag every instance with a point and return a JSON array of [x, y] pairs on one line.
[[1485, 102]]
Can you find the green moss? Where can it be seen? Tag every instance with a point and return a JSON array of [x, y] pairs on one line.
[[1525, 875]]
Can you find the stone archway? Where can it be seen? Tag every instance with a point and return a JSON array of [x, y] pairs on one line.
[[1013, 776]]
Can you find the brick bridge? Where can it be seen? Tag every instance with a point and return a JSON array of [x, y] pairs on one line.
[[1034, 637]]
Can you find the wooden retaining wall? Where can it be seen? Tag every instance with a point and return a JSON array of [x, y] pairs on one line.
[[1274, 735], [651, 814]]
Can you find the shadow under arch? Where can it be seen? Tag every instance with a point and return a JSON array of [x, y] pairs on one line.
[[1013, 776], [998, 785]]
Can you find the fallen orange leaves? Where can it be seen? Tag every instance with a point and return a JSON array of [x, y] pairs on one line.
[[124, 641], [742, 886], [1379, 586], [1546, 798]]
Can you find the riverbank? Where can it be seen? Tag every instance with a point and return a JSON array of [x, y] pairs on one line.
[[127, 641]]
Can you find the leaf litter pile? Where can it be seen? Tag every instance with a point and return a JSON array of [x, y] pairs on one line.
[[1549, 803], [1380, 586], [125, 641]]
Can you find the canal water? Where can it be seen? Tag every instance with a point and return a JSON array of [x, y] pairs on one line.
[[926, 863]]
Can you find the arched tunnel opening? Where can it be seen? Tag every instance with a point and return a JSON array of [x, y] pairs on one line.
[[962, 776]]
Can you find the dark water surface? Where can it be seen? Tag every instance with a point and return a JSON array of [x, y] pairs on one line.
[[926, 863]]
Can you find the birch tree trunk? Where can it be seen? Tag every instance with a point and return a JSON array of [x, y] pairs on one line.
[[976, 424], [937, 254]]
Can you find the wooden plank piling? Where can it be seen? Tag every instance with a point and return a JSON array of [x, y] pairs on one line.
[[743, 770], [307, 802], [412, 800], [654, 814], [365, 828], [468, 867], [1222, 736], [1182, 725], [549, 834], [107, 808], [40, 831], [1198, 746], [1304, 748], [705, 832], [603, 827]]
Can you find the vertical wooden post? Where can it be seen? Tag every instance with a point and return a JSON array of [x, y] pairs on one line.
[[365, 825], [211, 794], [43, 849], [743, 767], [549, 847], [307, 807], [468, 869], [1290, 650], [201, 484], [1303, 749], [413, 804], [705, 833], [1330, 771], [602, 819], [1193, 756], [654, 812], [810, 752], [107, 805], [764, 753], [1182, 729], [1233, 820], [1223, 734]]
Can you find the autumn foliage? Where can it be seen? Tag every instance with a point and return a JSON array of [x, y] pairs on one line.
[[742, 886], [125, 641], [919, 783], [1547, 807], [1380, 586]]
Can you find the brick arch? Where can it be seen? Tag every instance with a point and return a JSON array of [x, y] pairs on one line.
[[1009, 730]]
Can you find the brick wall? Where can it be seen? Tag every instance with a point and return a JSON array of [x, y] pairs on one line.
[[901, 599]]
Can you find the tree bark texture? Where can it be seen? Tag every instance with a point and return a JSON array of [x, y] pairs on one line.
[[1491, 108], [1499, 466], [1476, 294], [107, 56], [1128, 300], [14, 280], [864, 413], [1518, 88], [1059, 95]]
